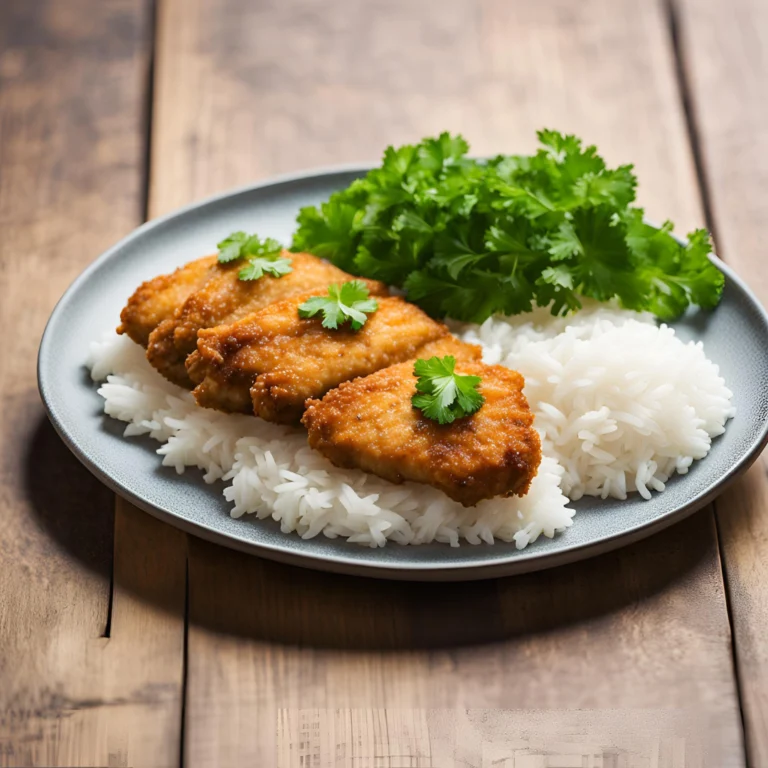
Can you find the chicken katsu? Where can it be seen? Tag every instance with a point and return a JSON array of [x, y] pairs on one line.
[[269, 347], [462, 351], [380, 386], [224, 299], [156, 300], [272, 361], [371, 424]]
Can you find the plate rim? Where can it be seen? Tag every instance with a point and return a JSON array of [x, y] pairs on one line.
[[338, 563]]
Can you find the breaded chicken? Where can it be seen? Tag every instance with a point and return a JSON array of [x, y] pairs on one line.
[[462, 351], [370, 424], [272, 361], [224, 299], [156, 300]]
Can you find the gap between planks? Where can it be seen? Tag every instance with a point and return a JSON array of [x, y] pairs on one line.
[[148, 122]]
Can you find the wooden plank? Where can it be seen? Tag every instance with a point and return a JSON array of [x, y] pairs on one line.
[[628, 655], [251, 89], [621, 650], [723, 46], [73, 79]]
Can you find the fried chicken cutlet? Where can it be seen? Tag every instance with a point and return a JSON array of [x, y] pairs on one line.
[[156, 300], [370, 424], [272, 361], [224, 299]]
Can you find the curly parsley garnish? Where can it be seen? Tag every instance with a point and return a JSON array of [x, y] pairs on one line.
[[470, 238], [348, 302], [263, 256], [443, 395]]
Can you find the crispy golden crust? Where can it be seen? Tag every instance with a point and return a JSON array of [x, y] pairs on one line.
[[370, 424], [449, 345], [224, 299], [156, 300], [284, 359]]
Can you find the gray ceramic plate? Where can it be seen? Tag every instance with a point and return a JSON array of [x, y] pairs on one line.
[[735, 336]]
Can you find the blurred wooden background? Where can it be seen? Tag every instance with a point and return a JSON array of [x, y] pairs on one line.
[[124, 642]]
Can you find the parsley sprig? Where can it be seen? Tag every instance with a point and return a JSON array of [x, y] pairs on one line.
[[469, 238], [263, 256], [343, 303], [442, 394]]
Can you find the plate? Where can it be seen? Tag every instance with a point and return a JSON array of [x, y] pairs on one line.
[[735, 336]]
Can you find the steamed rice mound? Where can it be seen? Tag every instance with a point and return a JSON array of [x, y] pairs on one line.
[[272, 472], [621, 405]]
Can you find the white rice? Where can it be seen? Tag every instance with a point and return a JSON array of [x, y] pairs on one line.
[[271, 471], [620, 403]]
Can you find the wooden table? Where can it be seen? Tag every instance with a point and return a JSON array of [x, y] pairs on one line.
[[124, 642]]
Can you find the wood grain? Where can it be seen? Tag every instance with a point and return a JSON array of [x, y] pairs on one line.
[[251, 89], [723, 47], [73, 78], [626, 658]]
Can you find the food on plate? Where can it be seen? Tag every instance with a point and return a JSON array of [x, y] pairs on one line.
[[342, 303], [270, 362], [558, 383], [270, 472], [371, 424], [461, 351], [471, 238], [156, 300], [443, 394], [227, 297], [591, 446], [623, 403], [252, 273]]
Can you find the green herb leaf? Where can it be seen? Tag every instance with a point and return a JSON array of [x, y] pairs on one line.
[[329, 232], [231, 248], [264, 256], [468, 238], [343, 303], [443, 395], [258, 266]]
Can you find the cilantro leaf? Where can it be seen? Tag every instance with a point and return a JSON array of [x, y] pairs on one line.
[[240, 244], [469, 238], [701, 279], [385, 260], [231, 248], [454, 253], [614, 187], [258, 266], [264, 256], [442, 394], [434, 154], [330, 231], [343, 303]]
